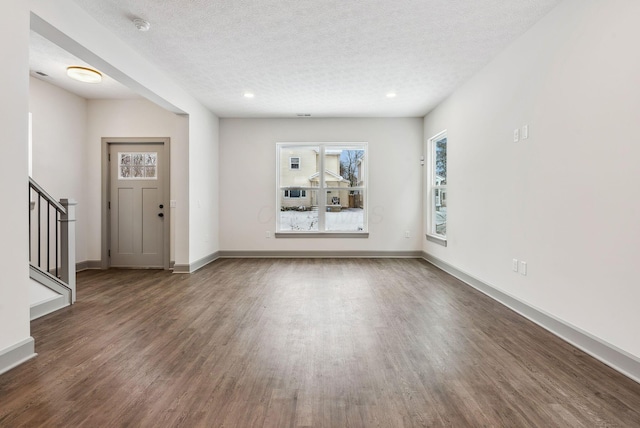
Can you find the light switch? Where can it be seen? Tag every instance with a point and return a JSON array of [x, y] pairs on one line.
[[523, 268], [525, 132], [172, 203]]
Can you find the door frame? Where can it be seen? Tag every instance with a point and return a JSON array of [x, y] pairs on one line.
[[106, 189]]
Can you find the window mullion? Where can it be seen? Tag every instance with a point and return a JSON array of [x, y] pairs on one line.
[[322, 194]]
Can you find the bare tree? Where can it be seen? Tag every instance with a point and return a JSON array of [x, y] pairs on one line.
[[349, 165]]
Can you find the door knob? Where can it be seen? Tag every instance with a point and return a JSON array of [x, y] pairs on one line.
[[161, 206], [160, 215]]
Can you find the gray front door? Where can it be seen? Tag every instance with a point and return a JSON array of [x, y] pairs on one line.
[[137, 209]]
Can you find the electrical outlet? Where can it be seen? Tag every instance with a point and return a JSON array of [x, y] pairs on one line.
[[514, 265], [407, 234], [172, 203], [267, 234], [516, 135], [523, 268]]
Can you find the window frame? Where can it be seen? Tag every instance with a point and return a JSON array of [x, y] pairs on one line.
[[321, 189], [432, 189]]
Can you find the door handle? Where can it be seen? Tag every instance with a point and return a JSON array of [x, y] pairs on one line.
[[161, 206], [160, 215]]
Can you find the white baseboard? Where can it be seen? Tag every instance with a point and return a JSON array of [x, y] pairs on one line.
[[192, 267], [239, 254], [617, 359], [88, 264], [48, 306], [17, 354]]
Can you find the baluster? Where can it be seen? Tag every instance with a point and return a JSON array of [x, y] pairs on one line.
[[48, 237], [39, 227], [57, 218]]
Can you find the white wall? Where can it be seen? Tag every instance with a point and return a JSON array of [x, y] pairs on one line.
[[204, 164], [59, 135], [14, 87], [247, 181], [130, 119], [565, 200], [67, 25]]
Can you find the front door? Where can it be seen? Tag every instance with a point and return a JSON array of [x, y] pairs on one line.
[[136, 206]]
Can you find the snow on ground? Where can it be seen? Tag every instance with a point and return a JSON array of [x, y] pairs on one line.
[[347, 220]]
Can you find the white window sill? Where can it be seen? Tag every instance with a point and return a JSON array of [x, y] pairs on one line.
[[321, 234], [437, 239]]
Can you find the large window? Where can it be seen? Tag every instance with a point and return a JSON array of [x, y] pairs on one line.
[[321, 189], [437, 188]]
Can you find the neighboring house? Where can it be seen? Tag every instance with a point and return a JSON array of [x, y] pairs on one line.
[[299, 174], [441, 196], [356, 197]]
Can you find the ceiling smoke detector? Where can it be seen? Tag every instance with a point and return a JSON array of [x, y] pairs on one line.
[[303, 114], [141, 24]]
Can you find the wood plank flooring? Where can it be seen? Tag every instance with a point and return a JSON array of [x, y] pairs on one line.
[[303, 343]]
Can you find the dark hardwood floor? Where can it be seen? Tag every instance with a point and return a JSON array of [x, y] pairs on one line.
[[302, 343]]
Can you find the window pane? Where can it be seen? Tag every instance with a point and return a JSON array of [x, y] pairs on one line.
[[151, 159], [344, 166], [348, 217], [299, 213], [125, 158], [440, 155], [305, 174], [137, 158], [440, 212]]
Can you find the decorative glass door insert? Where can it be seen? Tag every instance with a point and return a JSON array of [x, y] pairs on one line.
[[137, 166]]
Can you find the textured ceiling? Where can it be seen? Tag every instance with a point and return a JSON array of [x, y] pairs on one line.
[[330, 58], [48, 58]]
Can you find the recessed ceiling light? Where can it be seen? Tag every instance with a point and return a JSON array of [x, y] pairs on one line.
[[391, 95], [142, 24], [84, 74], [248, 95]]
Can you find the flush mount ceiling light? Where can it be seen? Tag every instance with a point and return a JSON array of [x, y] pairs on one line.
[[84, 74], [142, 24], [248, 95], [391, 95]]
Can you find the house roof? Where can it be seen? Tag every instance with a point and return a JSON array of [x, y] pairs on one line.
[[337, 177]]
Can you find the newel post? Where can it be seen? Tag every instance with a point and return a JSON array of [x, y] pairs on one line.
[[68, 245]]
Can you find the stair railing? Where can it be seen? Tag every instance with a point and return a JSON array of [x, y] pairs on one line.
[[52, 250]]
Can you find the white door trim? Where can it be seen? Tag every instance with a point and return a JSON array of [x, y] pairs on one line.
[[106, 143]]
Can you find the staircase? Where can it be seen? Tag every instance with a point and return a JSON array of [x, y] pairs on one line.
[[52, 260]]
